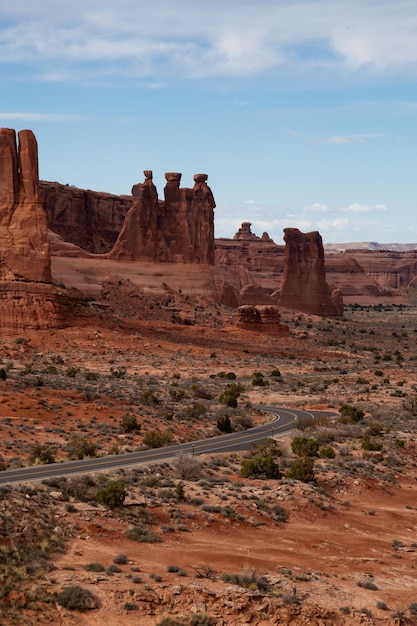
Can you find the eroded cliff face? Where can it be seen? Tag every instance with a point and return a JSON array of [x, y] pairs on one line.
[[91, 220], [24, 247], [304, 286], [179, 229], [28, 300]]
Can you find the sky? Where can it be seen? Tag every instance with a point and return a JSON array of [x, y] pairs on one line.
[[303, 113]]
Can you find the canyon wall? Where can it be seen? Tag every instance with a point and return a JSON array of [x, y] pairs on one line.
[[91, 220]]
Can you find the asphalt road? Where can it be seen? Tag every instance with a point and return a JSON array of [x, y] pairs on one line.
[[282, 423]]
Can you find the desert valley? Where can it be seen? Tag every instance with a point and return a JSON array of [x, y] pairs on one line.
[[126, 326]]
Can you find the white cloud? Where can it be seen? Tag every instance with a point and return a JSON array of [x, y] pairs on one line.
[[364, 208], [196, 39], [317, 207]]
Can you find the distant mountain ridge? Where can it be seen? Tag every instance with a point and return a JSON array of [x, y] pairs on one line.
[[370, 245]]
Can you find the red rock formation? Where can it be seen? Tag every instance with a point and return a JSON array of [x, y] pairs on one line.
[[91, 220], [27, 299], [304, 287], [261, 318], [179, 229], [24, 247]]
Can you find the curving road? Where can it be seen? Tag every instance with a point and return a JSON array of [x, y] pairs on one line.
[[282, 423]]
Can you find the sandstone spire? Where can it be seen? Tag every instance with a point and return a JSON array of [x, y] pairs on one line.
[[24, 247]]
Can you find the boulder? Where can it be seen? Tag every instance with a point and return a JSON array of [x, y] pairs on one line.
[[304, 285]]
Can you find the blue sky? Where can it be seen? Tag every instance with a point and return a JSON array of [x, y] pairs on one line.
[[302, 112]]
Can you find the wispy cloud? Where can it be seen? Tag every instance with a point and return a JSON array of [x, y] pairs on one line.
[[194, 39], [36, 117], [364, 208]]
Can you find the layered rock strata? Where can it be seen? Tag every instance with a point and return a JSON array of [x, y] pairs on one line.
[[304, 286], [179, 229], [261, 318], [89, 219]]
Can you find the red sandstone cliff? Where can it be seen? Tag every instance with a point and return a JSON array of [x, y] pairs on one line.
[[91, 220], [304, 286], [179, 229]]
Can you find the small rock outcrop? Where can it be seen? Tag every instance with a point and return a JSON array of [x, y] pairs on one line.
[[24, 247], [261, 318], [304, 286], [179, 229]]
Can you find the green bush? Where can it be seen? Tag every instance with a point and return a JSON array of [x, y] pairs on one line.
[[374, 430], [258, 380], [305, 446], [302, 469], [231, 394], [352, 412], [113, 495], [149, 398], [261, 461], [157, 439], [224, 424], [327, 452], [94, 567], [3, 374], [76, 598], [129, 424], [42, 454], [369, 443], [80, 447], [227, 375]]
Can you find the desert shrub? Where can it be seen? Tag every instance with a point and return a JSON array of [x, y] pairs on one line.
[[121, 559], [148, 397], [369, 443], [201, 619], [305, 446], [249, 578], [76, 598], [113, 569], [304, 422], [261, 461], [413, 608], [224, 424], [280, 513], [227, 375], [94, 567], [302, 469], [275, 373], [201, 392], [367, 584], [118, 373], [187, 467], [71, 372], [176, 394], [130, 606], [170, 621], [354, 413], [41, 453], [3, 374], [79, 447], [400, 443], [327, 452], [141, 535], [91, 376], [243, 422], [260, 467], [374, 430], [382, 606], [196, 410], [113, 495], [258, 380], [231, 394], [157, 439], [129, 424]]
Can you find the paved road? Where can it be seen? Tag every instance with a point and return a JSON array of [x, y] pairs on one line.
[[282, 423]]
